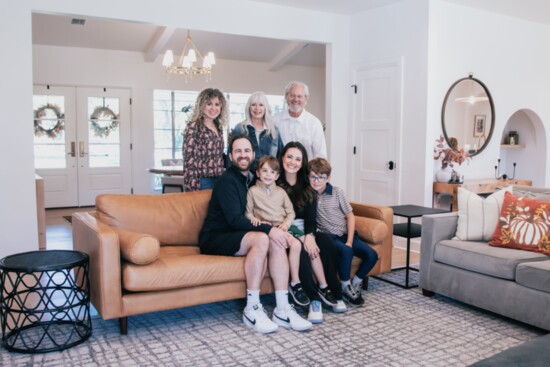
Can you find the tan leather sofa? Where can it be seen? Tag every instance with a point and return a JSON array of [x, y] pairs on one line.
[[144, 255]]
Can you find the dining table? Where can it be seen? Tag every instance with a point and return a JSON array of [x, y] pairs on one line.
[[167, 170]]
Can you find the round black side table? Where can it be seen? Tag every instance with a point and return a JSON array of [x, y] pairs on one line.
[[44, 301]]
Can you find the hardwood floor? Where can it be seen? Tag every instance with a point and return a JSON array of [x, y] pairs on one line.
[[59, 235], [399, 258]]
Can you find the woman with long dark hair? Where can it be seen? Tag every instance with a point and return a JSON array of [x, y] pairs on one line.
[[319, 254]]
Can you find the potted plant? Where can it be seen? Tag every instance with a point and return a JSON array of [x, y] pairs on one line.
[[450, 156]]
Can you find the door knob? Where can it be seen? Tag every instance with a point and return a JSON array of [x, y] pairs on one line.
[[72, 153], [81, 149], [391, 165]]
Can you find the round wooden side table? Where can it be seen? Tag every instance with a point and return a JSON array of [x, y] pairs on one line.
[[44, 301]]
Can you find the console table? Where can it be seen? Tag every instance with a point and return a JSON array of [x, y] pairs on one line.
[[479, 186]]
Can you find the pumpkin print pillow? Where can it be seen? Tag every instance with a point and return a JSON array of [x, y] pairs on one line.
[[523, 224]]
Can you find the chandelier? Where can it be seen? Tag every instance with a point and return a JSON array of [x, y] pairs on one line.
[[188, 65], [473, 97]]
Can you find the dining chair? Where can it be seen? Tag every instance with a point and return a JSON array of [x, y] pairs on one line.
[[172, 183]]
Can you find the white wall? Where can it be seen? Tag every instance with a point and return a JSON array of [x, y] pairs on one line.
[[92, 67], [18, 209], [18, 222], [510, 57], [400, 30]]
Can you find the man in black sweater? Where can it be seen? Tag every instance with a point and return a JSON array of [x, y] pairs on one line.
[[226, 231]]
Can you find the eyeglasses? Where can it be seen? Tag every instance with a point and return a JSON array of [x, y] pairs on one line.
[[298, 96], [317, 178]]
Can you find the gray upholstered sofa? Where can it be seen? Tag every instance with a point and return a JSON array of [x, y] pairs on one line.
[[509, 282]]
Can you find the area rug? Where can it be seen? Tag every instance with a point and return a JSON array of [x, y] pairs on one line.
[[398, 276], [395, 327]]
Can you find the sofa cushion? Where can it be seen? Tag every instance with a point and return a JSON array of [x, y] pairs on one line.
[[535, 275], [478, 217], [524, 224], [482, 258], [539, 193], [181, 267], [138, 248], [371, 230], [175, 219]]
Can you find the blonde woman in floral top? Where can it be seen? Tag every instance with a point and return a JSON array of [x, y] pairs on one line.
[[203, 142]]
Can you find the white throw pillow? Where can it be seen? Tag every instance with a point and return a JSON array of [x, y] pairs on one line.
[[478, 217]]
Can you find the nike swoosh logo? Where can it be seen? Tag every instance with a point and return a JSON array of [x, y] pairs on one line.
[[253, 322], [285, 320]]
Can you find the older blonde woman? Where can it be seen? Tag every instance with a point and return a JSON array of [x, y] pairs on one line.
[[260, 128], [203, 142]]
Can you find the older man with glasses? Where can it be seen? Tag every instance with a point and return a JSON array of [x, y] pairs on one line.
[[297, 124]]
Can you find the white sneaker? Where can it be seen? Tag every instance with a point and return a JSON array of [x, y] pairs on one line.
[[340, 307], [358, 287], [315, 315], [290, 319], [257, 319]]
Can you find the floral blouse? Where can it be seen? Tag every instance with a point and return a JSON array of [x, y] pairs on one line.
[[202, 155]]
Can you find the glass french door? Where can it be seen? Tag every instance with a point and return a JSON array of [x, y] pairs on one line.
[[82, 143]]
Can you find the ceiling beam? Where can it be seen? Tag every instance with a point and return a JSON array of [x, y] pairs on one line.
[[287, 53], [159, 41]]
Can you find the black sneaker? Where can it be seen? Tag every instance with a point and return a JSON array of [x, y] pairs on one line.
[[298, 294], [327, 297], [351, 296]]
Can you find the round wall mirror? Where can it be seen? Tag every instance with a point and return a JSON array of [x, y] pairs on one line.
[[468, 115]]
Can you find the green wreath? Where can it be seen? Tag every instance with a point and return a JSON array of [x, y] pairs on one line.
[[103, 114], [41, 114]]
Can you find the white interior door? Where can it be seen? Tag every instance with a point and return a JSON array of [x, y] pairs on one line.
[[82, 143], [376, 109], [104, 144], [55, 156]]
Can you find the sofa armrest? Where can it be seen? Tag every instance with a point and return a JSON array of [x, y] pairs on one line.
[[385, 214], [435, 227], [101, 243]]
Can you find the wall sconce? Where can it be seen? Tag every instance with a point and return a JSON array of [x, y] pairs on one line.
[[504, 176]]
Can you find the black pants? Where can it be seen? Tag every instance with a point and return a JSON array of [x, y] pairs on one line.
[[329, 258]]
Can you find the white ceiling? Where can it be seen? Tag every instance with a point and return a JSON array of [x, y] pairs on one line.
[[532, 10], [153, 40], [347, 7]]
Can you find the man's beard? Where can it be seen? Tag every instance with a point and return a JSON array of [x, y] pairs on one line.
[[239, 167], [295, 109]]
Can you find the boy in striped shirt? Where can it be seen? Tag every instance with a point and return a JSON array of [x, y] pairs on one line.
[[335, 217]]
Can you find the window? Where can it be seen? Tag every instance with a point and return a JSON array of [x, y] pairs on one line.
[[170, 120], [49, 131]]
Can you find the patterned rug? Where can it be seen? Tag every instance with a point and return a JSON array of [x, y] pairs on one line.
[[395, 327]]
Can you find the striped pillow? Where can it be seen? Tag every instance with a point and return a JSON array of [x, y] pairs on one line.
[[478, 217]]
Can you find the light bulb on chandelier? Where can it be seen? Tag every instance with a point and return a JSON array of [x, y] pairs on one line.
[[186, 64], [473, 97]]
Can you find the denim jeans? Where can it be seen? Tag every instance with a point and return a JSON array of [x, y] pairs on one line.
[[345, 256], [207, 183]]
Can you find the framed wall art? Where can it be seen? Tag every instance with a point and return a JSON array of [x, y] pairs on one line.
[[479, 125]]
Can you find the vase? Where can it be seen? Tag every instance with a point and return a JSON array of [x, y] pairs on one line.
[[444, 174], [457, 173]]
